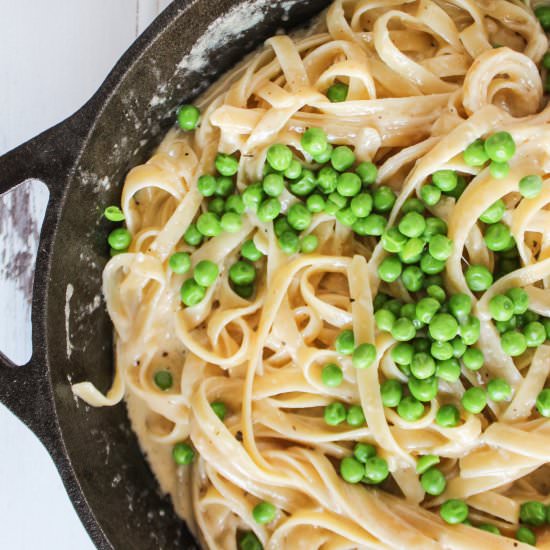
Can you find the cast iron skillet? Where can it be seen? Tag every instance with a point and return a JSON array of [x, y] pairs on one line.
[[83, 162]]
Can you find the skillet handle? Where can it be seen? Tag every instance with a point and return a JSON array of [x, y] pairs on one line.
[[50, 157]]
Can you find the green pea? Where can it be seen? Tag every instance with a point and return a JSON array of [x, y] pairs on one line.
[[348, 184], [327, 179], [543, 403], [513, 343], [280, 225], [474, 400], [489, 528], [324, 157], [309, 244], [114, 214], [299, 217], [304, 185], [180, 263], [448, 416], [494, 213], [379, 300], [546, 60], [188, 117], [412, 251], [289, 242], [500, 147], [393, 240], [342, 158], [524, 534], [249, 541], [209, 224], [234, 203], [443, 327], [454, 511], [408, 311], [520, 299], [384, 319], [394, 306], [391, 392], [403, 330], [402, 353], [163, 379], [294, 170], [430, 265], [425, 462], [430, 194], [250, 252], [412, 224], [384, 199], [315, 203], [445, 180], [421, 345], [337, 92], [440, 247], [264, 512], [474, 154], [219, 408], [335, 414], [192, 236], [242, 273], [206, 273], [442, 350], [528, 317], [499, 170], [435, 226], [231, 222], [244, 291], [448, 370], [363, 356], [269, 210], [253, 196], [273, 185], [346, 217], [535, 334], [532, 513], [433, 481], [368, 172], [351, 470], [332, 375], [505, 326], [478, 278], [546, 323], [460, 305], [279, 157], [339, 200], [376, 470], [314, 141], [426, 308], [345, 342], [207, 185], [542, 13], [530, 186], [412, 278], [473, 359], [470, 329], [497, 236], [182, 454], [361, 205], [226, 165], [459, 347], [119, 239], [422, 365], [424, 390], [390, 269], [364, 451], [412, 204], [498, 390], [410, 409], [373, 225], [192, 293], [355, 416]]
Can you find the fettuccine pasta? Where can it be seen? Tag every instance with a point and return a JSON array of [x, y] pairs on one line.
[[329, 291]]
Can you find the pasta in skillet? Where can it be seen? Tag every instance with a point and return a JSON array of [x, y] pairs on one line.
[[330, 296]]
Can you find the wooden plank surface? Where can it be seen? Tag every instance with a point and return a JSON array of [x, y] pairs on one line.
[[54, 54]]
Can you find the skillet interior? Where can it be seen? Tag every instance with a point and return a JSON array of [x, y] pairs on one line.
[[118, 499]]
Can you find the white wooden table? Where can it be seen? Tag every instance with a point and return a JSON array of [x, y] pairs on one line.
[[53, 55]]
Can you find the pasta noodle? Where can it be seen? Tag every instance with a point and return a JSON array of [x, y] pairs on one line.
[[424, 79]]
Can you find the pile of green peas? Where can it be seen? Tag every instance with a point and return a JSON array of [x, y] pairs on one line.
[[364, 466]]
